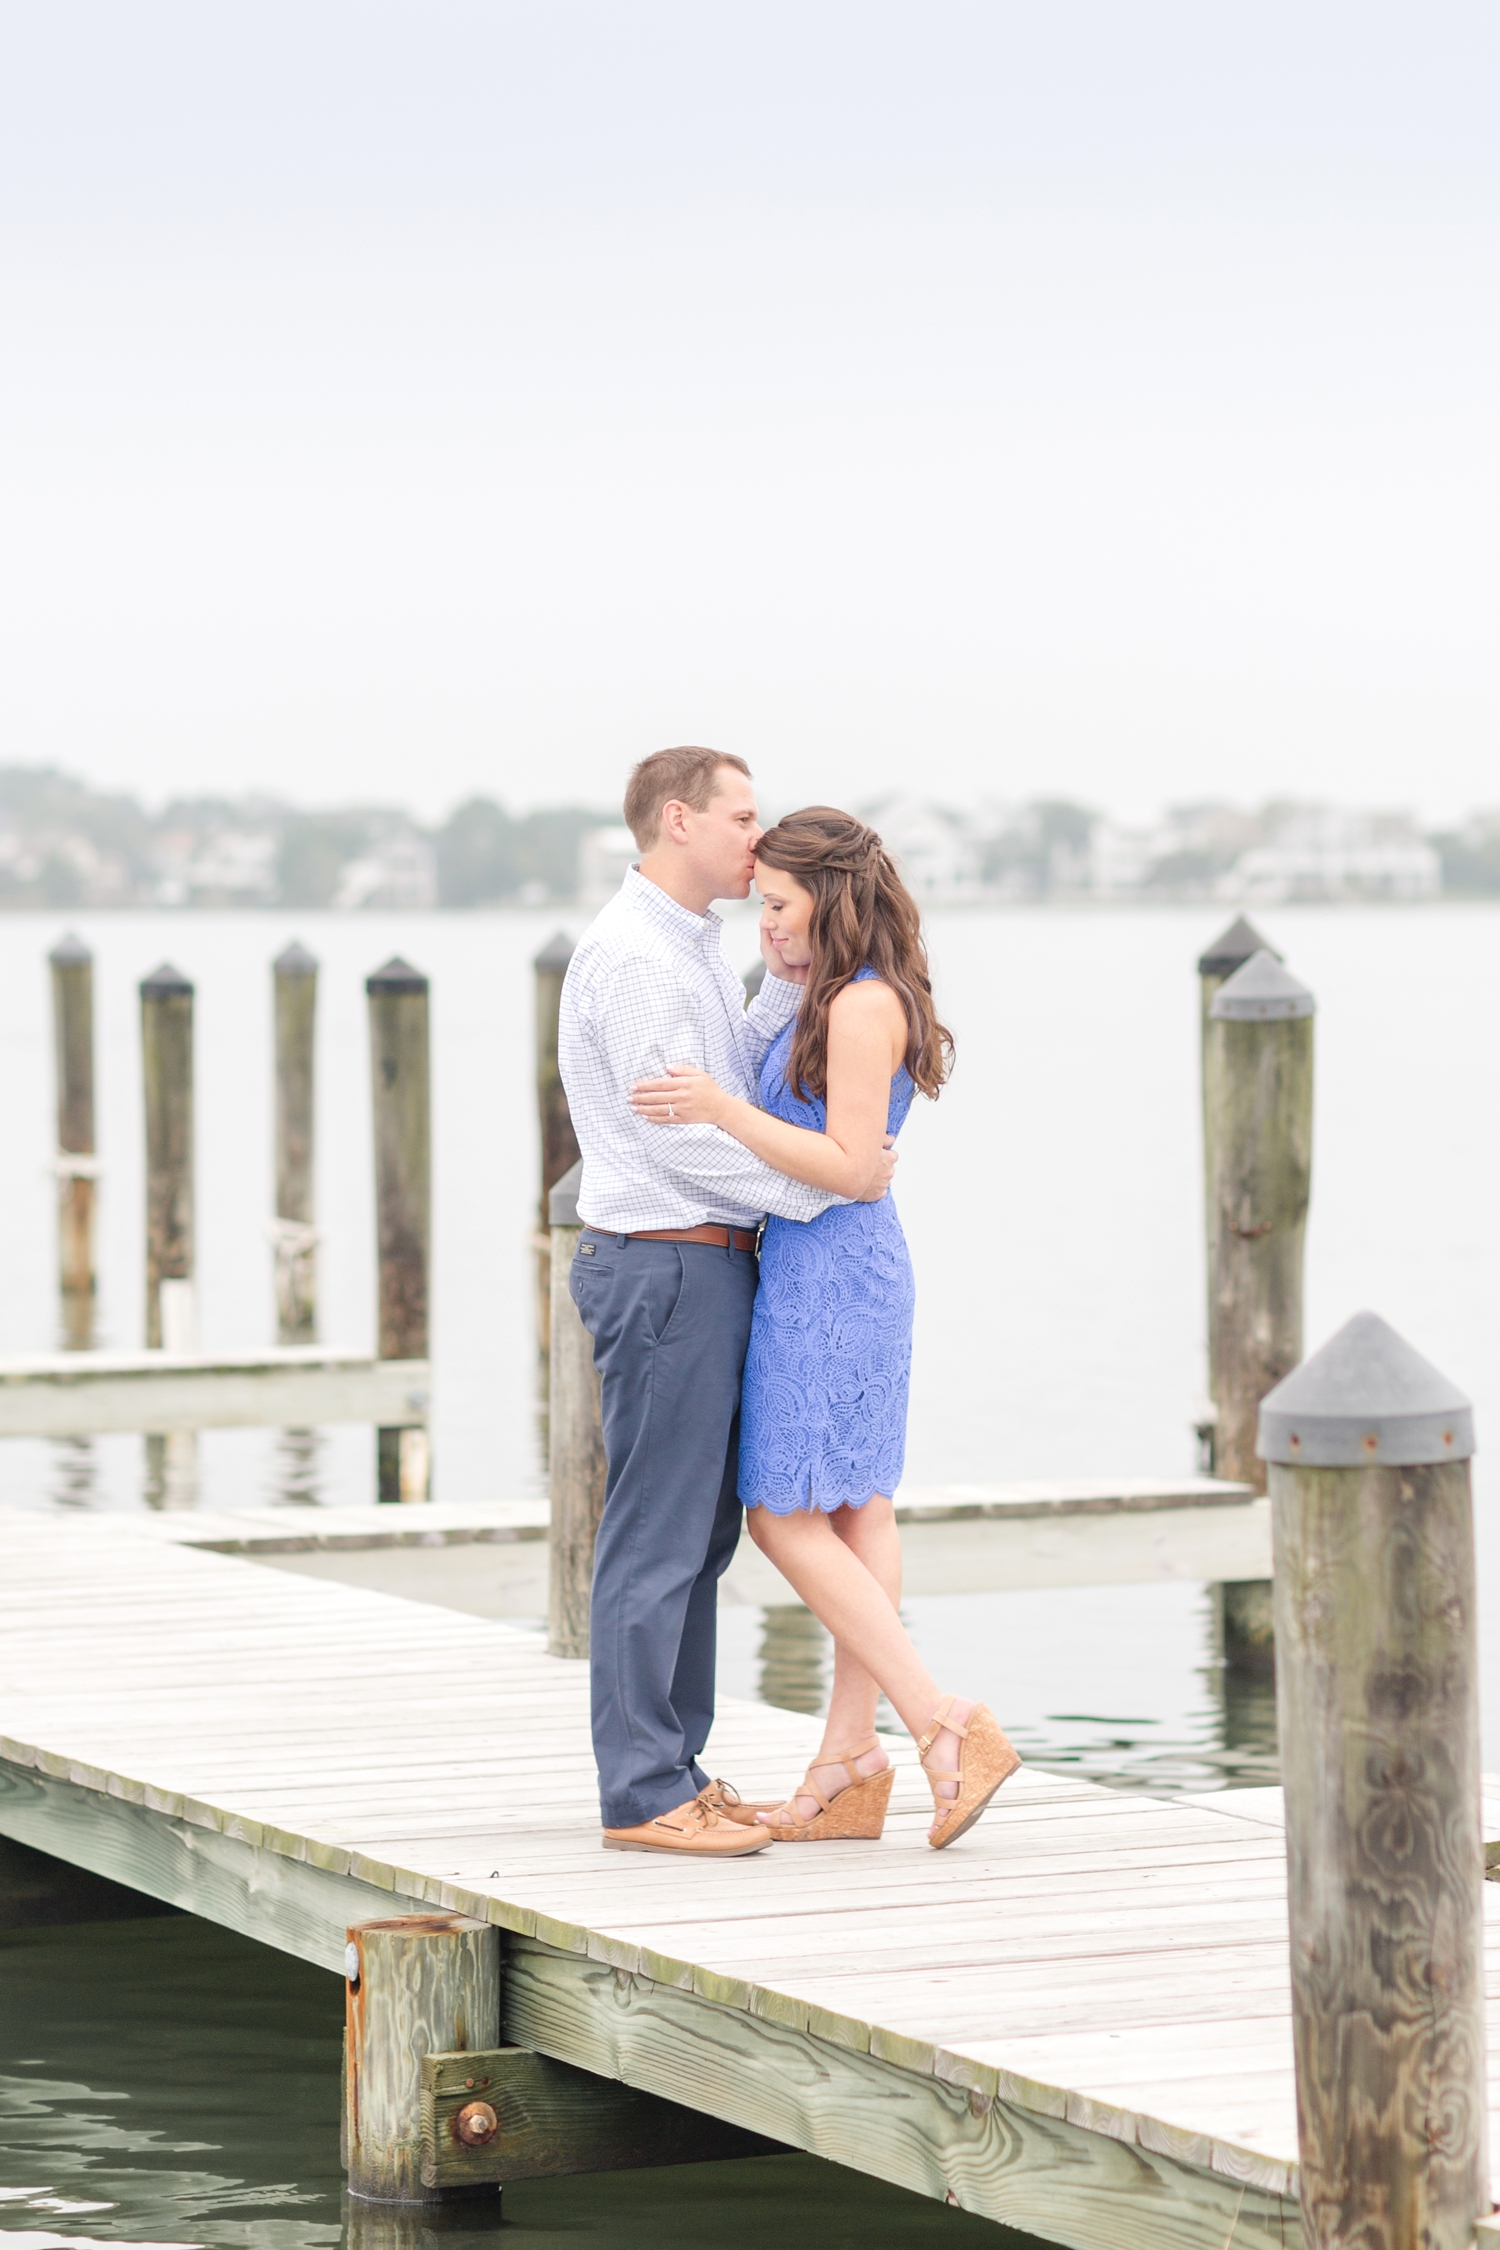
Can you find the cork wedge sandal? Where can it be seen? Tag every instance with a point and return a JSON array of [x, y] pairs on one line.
[[986, 1759], [856, 1813]]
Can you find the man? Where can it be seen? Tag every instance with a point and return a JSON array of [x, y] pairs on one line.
[[664, 1279]]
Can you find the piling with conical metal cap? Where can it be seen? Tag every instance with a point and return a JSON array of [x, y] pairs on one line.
[[72, 967], [1378, 1716], [294, 979], [1230, 950], [1258, 1143], [401, 1103]]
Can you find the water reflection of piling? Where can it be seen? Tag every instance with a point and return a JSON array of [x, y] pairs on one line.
[[72, 967], [793, 1659], [297, 1469], [420, 2226]]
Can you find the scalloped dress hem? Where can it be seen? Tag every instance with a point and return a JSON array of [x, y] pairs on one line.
[[810, 1506]]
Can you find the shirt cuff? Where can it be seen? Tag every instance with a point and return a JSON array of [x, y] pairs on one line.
[[779, 997]]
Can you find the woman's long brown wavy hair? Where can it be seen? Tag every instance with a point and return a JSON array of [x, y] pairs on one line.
[[862, 914]]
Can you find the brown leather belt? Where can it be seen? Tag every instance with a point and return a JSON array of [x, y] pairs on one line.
[[718, 1238]]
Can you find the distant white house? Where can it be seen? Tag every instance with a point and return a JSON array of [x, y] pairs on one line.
[[401, 872], [604, 854], [1328, 852], [1272, 874], [228, 867], [936, 850]]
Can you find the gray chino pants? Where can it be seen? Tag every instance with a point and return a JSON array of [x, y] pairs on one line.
[[670, 1322]]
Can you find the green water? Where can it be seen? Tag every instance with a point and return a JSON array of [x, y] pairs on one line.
[[163, 2081]]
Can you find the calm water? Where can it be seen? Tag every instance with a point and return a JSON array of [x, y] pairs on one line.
[[164, 2082], [1051, 1199]]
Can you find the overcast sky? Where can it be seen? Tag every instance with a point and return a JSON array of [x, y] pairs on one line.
[[1074, 397]]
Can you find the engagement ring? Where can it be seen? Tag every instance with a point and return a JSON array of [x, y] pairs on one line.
[[671, 1112]]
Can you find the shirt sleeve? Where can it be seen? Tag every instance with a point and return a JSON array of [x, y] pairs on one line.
[[772, 1008], [642, 1020]]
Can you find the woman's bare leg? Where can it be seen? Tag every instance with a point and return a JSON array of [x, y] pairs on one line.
[[870, 1533], [825, 1566]]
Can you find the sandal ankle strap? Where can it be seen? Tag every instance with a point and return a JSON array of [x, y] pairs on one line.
[[939, 1721]]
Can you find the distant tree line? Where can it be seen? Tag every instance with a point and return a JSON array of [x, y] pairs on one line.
[[65, 844]]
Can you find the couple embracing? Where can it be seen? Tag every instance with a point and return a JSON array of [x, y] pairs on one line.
[[746, 1283]]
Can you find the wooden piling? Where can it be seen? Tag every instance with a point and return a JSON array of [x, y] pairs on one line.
[[575, 1441], [1231, 949], [167, 1071], [416, 1985], [1259, 1080], [399, 1067], [1378, 1717], [559, 1143], [171, 1303], [72, 966], [294, 979]]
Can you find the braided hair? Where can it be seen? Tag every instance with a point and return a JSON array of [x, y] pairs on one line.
[[863, 914]]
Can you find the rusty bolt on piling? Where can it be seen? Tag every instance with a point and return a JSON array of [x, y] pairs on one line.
[[476, 2125]]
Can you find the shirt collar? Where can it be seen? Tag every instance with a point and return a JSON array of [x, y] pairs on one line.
[[678, 922]]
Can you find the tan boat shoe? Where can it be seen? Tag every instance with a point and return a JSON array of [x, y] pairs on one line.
[[723, 1798], [691, 1831]]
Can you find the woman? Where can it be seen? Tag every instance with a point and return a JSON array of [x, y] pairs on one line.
[[823, 1427]]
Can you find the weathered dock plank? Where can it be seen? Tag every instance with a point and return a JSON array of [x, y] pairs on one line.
[[1076, 2021]]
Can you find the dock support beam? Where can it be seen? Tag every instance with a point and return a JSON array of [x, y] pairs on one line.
[[295, 983], [399, 1070], [171, 1306], [575, 1441], [1378, 1716], [416, 1985], [72, 967]]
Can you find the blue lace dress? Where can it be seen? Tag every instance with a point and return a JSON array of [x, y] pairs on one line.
[[823, 1412]]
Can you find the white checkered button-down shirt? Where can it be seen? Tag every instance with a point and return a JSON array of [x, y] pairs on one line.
[[649, 985]]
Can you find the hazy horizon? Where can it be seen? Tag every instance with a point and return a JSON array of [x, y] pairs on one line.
[[407, 404]]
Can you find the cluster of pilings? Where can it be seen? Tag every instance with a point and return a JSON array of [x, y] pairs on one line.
[[400, 1080]]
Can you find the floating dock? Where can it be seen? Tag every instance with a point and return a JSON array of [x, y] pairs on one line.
[[490, 1558], [1076, 2021]]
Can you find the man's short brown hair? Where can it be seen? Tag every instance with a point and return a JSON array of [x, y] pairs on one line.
[[690, 775]]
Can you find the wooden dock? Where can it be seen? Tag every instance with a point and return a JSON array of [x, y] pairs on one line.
[[490, 1559], [1075, 2021]]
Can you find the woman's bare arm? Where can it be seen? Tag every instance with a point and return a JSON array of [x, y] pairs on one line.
[[866, 1040]]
